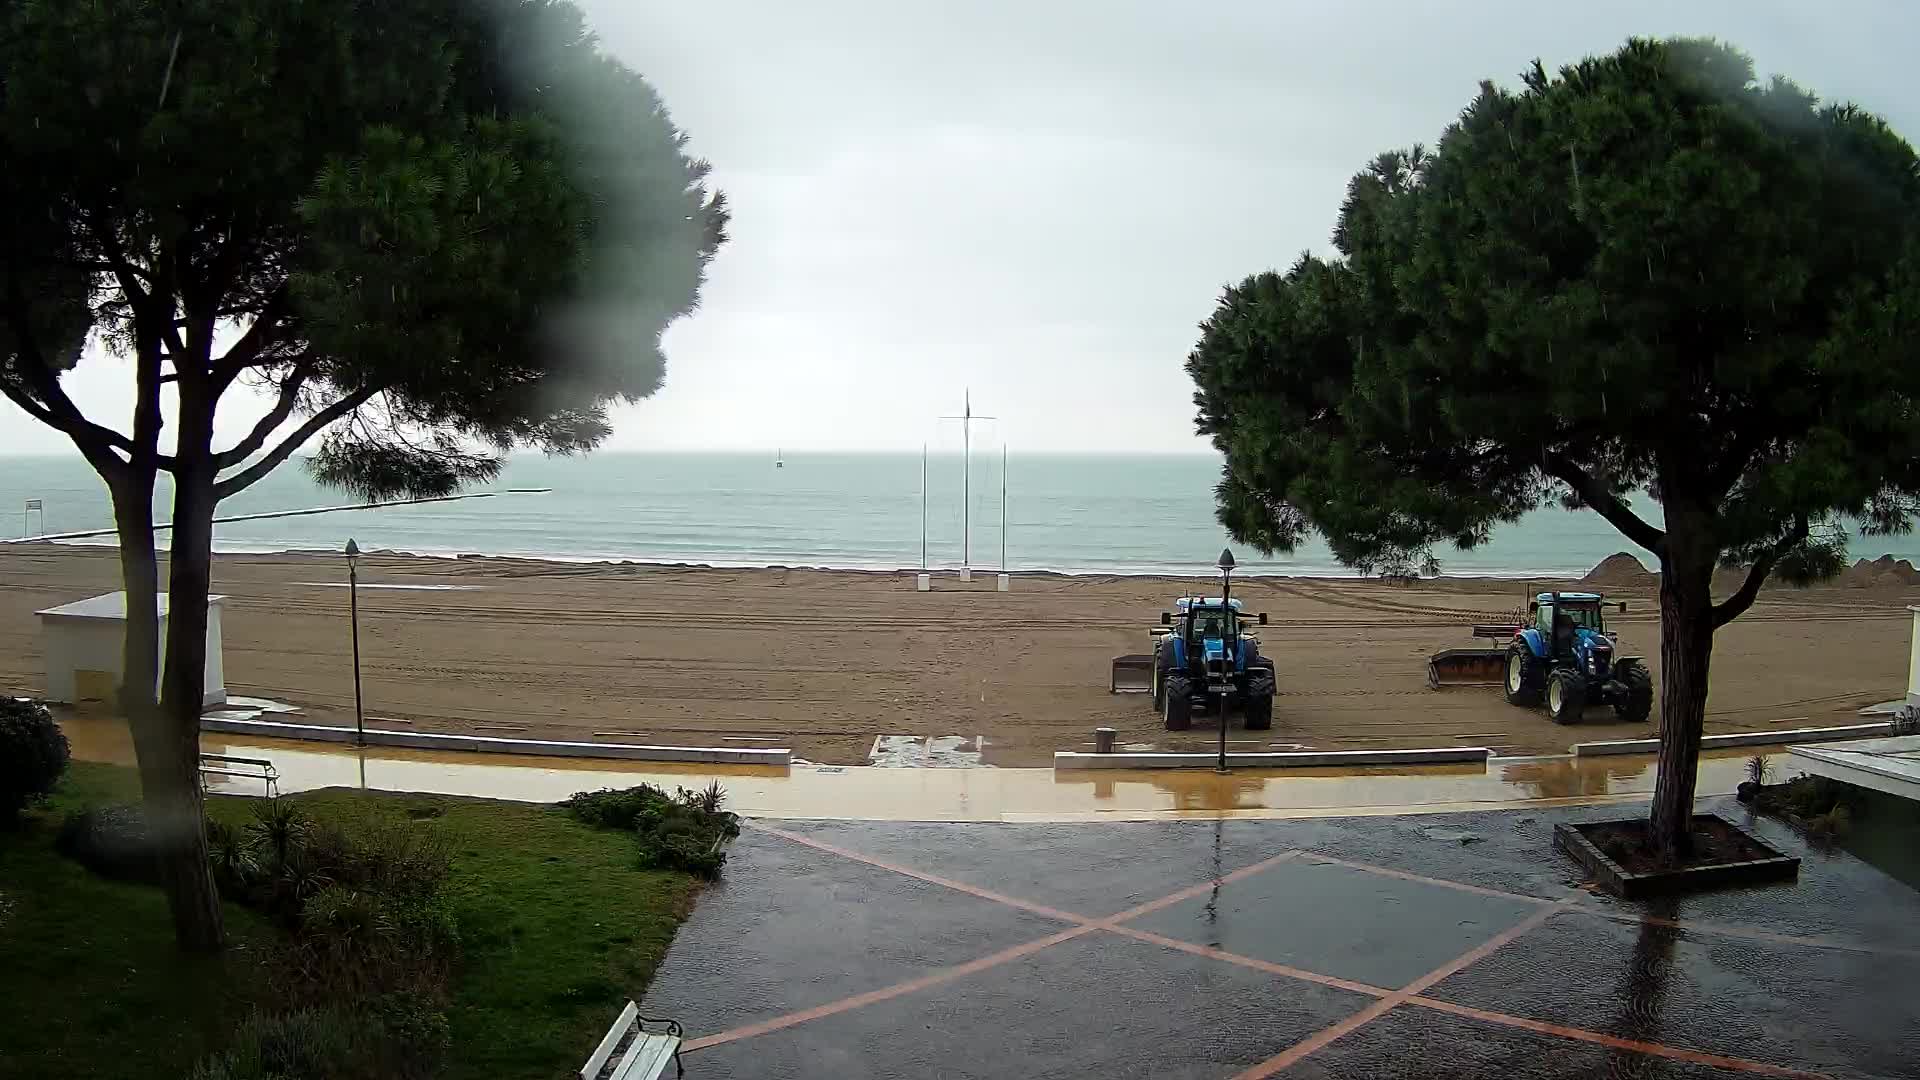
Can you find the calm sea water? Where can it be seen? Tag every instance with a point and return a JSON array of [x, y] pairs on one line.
[[1075, 514]]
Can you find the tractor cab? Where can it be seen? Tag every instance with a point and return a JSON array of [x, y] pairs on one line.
[[1571, 627], [1201, 619], [1569, 624], [1210, 640]]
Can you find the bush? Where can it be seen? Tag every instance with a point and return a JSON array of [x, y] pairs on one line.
[[352, 945], [112, 841], [392, 1038], [617, 809], [687, 831], [33, 755]]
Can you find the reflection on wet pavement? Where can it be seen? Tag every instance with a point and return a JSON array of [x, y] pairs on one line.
[[944, 794]]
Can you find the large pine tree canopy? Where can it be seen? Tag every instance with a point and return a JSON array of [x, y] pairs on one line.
[[457, 224], [1649, 272]]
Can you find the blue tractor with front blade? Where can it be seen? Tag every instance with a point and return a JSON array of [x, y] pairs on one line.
[[1563, 655], [1207, 657]]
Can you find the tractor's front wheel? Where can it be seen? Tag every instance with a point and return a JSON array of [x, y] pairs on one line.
[[1524, 676], [1566, 696], [1636, 704], [1178, 709], [1159, 680]]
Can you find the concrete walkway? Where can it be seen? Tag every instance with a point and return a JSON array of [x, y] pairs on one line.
[[1417, 946]]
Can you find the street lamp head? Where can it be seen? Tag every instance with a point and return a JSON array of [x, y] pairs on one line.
[[353, 549], [1226, 561]]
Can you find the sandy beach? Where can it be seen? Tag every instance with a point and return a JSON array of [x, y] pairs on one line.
[[826, 661]]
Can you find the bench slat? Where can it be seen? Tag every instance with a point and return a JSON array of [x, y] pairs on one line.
[[648, 1058], [628, 1016]]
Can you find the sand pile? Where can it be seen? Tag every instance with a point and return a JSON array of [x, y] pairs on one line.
[[1620, 571], [1883, 572]]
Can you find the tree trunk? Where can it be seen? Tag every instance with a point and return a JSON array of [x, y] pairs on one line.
[[1686, 651], [168, 757], [192, 894]]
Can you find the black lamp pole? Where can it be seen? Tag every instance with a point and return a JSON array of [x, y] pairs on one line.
[[353, 608], [1226, 602]]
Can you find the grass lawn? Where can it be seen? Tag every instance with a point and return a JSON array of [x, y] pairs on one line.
[[558, 929]]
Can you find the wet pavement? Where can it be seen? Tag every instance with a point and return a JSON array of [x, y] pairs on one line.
[[1355, 947]]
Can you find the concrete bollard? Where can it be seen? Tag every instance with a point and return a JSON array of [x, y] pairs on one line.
[[1103, 740], [923, 583], [1004, 584]]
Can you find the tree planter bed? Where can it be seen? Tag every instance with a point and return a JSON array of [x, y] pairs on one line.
[[1724, 854]]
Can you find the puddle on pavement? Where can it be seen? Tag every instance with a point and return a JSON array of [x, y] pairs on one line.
[[941, 794]]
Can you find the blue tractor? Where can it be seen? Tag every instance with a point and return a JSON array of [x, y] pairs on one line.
[[1207, 657], [1567, 657]]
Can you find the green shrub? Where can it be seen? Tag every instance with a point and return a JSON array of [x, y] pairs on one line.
[[609, 808], [311, 1044], [416, 1030], [33, 755], [112, 841], [352, 945], [392, 1038], [686, 831]]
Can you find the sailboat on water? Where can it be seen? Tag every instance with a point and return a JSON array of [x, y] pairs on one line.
[[779, 458]]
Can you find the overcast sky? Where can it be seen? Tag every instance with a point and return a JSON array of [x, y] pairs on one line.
[[1041, 199]]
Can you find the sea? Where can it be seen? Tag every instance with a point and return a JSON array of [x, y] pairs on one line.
[[1066, 513]]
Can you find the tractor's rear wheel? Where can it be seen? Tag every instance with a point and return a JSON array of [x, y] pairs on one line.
[[1566, 696], [1524, 676], [1178, 709], [1636, 704]]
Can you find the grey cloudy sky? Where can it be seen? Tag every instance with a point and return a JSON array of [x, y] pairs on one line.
[[1040, 200]]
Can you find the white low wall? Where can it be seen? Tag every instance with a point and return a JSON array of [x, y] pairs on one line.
[[1293, 759], [485, 744], [1742, 738]]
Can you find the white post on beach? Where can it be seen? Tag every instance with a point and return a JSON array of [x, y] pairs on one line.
[[1005, 582], [966, 419], [924, 581]]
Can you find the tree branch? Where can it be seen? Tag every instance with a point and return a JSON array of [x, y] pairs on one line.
[[130, 277], [1736, 605], [47, 402], [282, 409], [244, 479], [1606, 504], [1740, 453], [258, 337]]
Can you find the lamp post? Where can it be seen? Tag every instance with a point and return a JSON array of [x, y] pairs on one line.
[[1232, 650], [353, 609]]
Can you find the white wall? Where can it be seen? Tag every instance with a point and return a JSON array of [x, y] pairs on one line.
[[71, 645], [1913, 660], [79, 644]]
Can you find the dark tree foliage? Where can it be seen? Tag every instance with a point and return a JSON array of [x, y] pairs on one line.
[[1650, 272], [430, 230]]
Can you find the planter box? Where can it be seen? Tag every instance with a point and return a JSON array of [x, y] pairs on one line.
[[1626, 884]]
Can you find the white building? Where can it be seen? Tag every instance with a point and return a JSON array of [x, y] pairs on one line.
[[84, 642]]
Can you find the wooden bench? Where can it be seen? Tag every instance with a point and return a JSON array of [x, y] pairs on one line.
[[643, 1054]]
